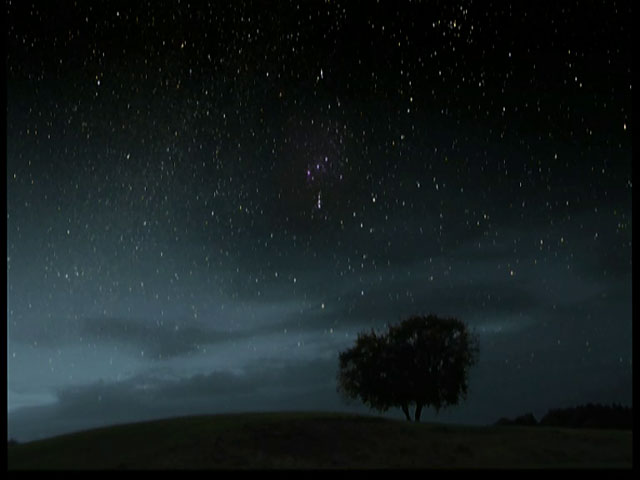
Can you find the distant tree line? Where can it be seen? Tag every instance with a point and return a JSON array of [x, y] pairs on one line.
[[613, 416]]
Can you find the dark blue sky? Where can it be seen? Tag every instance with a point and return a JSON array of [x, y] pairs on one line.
[[207, 202]]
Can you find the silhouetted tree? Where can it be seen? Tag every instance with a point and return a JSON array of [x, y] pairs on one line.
[[364, 373], [423, 361]]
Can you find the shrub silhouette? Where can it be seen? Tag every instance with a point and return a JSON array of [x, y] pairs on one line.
[[423, 361], [582, 416], [590, 416], [526, 420]]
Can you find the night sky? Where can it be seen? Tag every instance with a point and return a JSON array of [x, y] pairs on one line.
[[207, 201]]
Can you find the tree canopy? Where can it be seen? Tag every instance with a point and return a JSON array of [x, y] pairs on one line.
[[422, 361]]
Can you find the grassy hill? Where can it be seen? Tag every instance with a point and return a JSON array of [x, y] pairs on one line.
[[321, 440]]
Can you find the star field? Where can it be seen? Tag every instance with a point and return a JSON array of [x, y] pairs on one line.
[[199, 190]]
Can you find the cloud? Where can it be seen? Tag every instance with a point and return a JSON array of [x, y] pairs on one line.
[[375, 303], [172, 338], [160, 340], [262, 386], [508, 381], [19, 400]]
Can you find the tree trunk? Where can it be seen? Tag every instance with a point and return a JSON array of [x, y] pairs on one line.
[[418, 411], [405, 409]]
